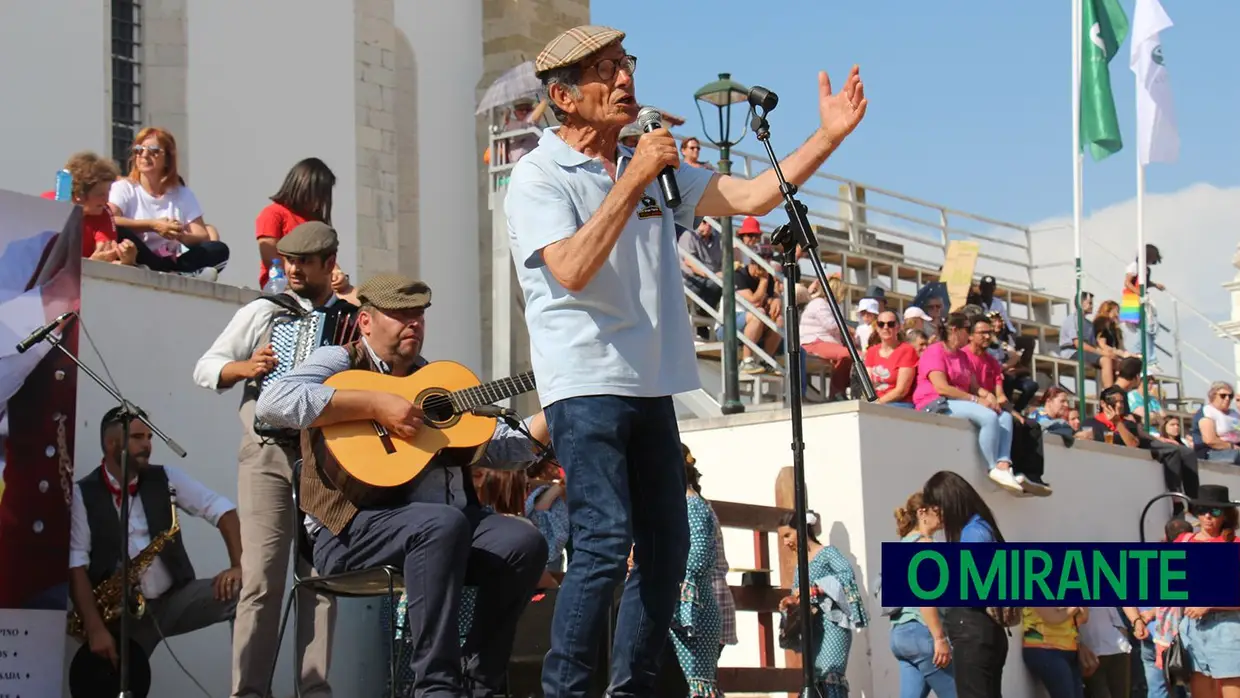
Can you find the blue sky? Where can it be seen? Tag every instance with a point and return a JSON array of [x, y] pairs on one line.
[[970, 108], [969, 101]]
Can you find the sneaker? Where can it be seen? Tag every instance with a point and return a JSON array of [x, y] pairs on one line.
[[1006, 480], [206, 274], [751, 366], [1036, 488]]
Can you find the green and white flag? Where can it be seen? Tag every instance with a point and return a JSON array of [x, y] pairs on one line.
[[1105, 27], [1158, 139]]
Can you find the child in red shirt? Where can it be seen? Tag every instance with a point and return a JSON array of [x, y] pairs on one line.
[[92, 180]]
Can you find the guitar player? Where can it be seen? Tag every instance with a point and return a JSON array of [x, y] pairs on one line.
[[433, 527], [242, 354]]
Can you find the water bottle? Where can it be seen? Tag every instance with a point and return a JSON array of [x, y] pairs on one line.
[[276, 281], [64, 186]]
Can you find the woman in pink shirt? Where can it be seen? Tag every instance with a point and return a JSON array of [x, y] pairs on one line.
[[821, 337], [892, 363], [947, 384]]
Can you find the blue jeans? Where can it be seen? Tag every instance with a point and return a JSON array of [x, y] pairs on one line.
[[914, 650], [994, 434], [1058, 670], [1155, 681], [441, 549], [625, 484]]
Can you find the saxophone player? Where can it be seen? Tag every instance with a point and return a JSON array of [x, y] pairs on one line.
[[176, 600]]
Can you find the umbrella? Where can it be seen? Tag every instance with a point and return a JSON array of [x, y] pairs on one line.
[[517, 83]]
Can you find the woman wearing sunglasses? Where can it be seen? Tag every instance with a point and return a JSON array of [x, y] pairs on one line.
[[1216, 426], [892, 363], [155, 204], [1212, 635]]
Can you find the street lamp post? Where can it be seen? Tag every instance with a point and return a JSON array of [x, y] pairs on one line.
[[722, 94]]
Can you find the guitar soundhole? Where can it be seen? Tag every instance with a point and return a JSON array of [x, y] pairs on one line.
[[437, 407]]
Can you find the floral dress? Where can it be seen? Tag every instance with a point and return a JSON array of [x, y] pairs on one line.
[[697, 626], [840, 612]]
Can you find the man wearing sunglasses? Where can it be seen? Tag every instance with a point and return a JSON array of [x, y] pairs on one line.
[[593, 242]]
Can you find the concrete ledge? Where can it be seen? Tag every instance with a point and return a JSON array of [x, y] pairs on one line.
[[171, 283]]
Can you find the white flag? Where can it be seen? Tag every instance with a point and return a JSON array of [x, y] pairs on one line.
[[1157, 137]]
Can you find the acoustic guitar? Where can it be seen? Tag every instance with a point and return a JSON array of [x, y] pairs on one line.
[[447, 392]]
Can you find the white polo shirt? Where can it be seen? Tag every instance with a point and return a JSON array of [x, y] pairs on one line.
[[627, 332]]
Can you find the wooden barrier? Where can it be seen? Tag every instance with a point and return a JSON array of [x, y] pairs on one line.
[[763, 521]]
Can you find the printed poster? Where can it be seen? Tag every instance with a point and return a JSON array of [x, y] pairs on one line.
[[40, 278], [958, 266]]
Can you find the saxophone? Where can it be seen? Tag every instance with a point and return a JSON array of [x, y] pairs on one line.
[[108, 594]]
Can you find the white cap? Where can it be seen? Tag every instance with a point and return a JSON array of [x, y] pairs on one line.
[[867, 305], [915, 313]]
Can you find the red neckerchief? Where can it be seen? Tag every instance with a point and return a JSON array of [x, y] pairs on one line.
[[1102, 419], [115, 489]]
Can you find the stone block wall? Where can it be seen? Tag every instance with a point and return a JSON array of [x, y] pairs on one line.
[[514, 31], [164, 67], [378, 237]]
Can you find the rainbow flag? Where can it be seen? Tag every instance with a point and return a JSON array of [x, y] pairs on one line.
[[1130, 308]]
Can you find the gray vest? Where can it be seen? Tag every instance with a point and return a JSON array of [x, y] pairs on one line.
[[106, 539]]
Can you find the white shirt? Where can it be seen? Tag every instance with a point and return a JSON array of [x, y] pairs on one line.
[[240, 338], [1104, 633], [193, 498], [178, 203]]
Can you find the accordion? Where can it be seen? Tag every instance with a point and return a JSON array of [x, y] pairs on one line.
[[294, 336]]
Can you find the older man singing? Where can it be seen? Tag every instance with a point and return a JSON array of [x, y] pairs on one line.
[[595, 250]]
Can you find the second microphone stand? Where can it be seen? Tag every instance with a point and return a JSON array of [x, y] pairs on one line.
[[788, 237], [128, 413]]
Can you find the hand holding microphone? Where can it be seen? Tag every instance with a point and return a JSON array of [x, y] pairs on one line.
[[656, 156]]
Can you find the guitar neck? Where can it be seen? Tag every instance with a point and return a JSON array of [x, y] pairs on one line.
[[495, 391]]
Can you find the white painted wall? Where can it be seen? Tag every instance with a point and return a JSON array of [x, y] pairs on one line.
[[448, 34], [151, 328], [263, 94], [862, 461], [58, 101]]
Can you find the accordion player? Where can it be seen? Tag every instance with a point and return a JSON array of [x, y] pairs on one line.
[[293, 335]]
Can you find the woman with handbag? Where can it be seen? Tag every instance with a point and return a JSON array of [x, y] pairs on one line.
[[1211, 636], [838, 609]]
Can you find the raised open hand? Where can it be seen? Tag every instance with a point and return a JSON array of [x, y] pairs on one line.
[[841, 111]]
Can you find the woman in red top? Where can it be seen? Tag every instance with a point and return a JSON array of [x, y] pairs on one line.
[[1212, 635], [892, 363], [306, 195]]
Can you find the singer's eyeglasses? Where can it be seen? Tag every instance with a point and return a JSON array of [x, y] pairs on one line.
[[607, 67]]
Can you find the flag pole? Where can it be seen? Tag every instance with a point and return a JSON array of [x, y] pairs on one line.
[[1077, 195], [1141, 282]]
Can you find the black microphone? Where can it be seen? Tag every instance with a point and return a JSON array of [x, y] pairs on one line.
[[649, 120], [40, 334], [762, 98], [492, 411]]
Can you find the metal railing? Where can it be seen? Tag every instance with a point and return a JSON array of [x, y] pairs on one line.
[[926, 226]]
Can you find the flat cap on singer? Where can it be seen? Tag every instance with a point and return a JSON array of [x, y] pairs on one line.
[[573, 45]]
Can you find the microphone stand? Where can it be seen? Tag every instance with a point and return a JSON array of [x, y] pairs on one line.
[[798, 231], [1178, 495], [543, 450], [129, 412]]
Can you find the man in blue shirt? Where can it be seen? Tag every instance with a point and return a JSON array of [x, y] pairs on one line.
[[594, 246]]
